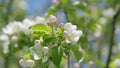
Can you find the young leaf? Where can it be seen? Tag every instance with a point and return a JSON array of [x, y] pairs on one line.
[[38, 27], [57, 56], [78, 53], [27, 55]]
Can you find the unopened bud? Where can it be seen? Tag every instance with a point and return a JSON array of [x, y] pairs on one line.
[[91, 63], [61, 25], [52, 20], [49, 23], [55, 1], [37, 41]]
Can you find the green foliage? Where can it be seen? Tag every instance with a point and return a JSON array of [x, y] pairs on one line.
[[100, 63], [40, 30], [27, 56], [57, 54], [77, 53]]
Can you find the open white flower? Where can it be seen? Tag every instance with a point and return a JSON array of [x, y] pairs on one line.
[[45, 59], [22, 62], [30, 63], [117, 63], [71, 34], [5, 47], [27, 62], [26, 24], [12, 28], [40, 20], [4, 38], [45, 50], [108, 12], [5, 43]]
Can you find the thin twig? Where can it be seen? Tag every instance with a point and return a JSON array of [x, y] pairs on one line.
[[68, 59], [8, 9], [112, 37]]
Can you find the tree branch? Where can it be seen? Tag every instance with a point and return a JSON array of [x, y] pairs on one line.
[[112, 36]]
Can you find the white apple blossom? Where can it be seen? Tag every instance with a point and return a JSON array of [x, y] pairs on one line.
[[23, 62], [30, 63], [103, 20], [5, 45], [22, 4], [40, 20], [45, 50], [26, 24], [117, 63], [108, 12], [71, 34], [27, 62], [45, 59], [4, 38], [36, 57], [12, 28], [98, 31], [76, 2], [14, 38]]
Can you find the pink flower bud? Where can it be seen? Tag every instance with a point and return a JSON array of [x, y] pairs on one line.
[[37, 41], [55, 1], [61, 25], [49, 23], [52, 19]]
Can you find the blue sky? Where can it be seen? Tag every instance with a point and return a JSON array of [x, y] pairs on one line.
[[38, 6]]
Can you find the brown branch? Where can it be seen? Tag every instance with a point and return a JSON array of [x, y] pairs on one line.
[[112, 37]]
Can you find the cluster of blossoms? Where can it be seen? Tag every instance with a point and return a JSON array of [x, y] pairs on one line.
[[11, 32], [52, 41]]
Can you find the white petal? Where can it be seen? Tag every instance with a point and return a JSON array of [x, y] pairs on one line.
[[23, 62], [40, 20], [36, 57], [45, 59], [45, 50], [76, 36], [30, 63], [4, 37]]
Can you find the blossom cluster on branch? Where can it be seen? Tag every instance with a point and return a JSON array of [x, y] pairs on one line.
[[52, 43]]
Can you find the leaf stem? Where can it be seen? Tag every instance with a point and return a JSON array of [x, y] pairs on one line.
[[112, 36]]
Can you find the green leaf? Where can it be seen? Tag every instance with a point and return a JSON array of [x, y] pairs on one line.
[[100, 63], [57, 55], [65, 1], [39, 33], [27, 55], [60, 30], [78, 53], [40, 30], [48, 40], [38, 27]]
